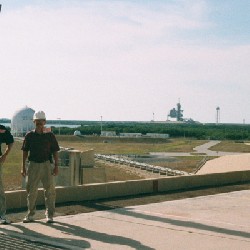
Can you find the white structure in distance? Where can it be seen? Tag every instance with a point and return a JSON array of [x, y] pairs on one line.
[[77, 133], [22, 121], [133, 135], [108, 133]]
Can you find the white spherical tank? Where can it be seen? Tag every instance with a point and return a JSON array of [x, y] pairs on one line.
[[22, 121]]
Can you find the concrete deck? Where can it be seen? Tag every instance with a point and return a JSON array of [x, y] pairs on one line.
[[208, 222]]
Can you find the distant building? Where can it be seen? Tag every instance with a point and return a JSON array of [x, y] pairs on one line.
[[131, 134], [22, 121], [108, 133], [156, 135], [77, 132]]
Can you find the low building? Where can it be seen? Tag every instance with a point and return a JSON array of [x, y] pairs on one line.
[[130, 134], [108, 133], [156, 135]]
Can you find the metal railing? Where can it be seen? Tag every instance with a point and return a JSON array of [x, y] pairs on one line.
[[140, 165]]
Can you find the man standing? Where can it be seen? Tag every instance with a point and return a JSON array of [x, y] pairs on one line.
[[7, 138], [39, 146]]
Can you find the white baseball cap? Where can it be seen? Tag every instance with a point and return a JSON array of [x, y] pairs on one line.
[[39, 115]]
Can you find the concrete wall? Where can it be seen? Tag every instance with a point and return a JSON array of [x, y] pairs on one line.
[[71, 163], [93, 175], [17, 199], [87, 158], [207, 180]]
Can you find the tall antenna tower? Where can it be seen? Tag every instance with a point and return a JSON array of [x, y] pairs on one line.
[[217, 115]]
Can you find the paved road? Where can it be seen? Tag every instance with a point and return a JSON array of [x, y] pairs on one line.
[[202, 149]]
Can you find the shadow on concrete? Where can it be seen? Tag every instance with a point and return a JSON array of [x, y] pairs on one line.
[[31, 235], [103, 237], [76, 231], [10, 242], [180, 223]]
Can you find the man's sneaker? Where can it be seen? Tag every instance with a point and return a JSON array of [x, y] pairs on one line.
[[4, 220], [49, 219], [28, 219]]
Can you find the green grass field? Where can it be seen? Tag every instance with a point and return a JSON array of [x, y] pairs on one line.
[[12, 168]]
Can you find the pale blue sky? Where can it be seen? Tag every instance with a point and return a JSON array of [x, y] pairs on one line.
[[125, 60]]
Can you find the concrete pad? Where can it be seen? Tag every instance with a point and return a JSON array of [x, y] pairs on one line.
[[209, 222]]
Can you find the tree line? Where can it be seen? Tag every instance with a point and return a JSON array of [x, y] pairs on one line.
[[196, 131]]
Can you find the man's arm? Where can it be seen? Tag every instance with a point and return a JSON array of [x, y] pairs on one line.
[[23, 170], [3, 157], [55, 170]]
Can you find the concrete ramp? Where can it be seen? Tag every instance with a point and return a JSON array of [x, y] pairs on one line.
[[227, 163]]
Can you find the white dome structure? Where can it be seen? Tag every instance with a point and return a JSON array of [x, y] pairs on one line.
[[22, 121], [77, 132]]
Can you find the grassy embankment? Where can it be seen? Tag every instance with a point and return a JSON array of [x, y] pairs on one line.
[[12, 178]]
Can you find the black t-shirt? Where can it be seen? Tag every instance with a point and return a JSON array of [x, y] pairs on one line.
[[40, 146], [5, 137]]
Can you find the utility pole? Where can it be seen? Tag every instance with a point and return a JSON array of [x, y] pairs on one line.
[[217, 115], [101, 124]]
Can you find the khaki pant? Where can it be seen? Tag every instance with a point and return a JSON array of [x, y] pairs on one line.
[[2, 195], [40, 172]]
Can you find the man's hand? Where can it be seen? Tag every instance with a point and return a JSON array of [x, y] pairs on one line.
[[23, 172], [55, 170]]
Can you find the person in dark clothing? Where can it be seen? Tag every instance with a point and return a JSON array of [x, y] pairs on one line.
[[7, 138], [39, 147]]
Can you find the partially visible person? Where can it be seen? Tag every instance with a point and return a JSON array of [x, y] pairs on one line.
[[41, 148], [7, 138]]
